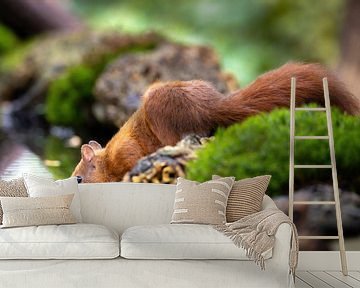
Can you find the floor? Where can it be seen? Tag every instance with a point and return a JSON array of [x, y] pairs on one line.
[[327, 279], [321, 269]]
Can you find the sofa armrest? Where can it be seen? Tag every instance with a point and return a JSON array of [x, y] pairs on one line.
[[282, 244], [281, 251], [279, 263]]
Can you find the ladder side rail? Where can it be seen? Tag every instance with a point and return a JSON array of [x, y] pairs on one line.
[[335, 179], [292, 139]]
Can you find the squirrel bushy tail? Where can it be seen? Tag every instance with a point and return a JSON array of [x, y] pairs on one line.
[[175, 109], [272, 90]]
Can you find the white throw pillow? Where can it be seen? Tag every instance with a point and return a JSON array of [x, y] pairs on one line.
[[43, 187], [181, 241], [71, 241]]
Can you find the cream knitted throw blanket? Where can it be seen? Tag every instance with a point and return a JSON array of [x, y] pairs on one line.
[[256, 234]]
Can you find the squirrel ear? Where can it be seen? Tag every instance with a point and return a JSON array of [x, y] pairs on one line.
[[95, 145], [87, 152]]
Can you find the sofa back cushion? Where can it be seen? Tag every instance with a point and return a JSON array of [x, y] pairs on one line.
[[122, 205]]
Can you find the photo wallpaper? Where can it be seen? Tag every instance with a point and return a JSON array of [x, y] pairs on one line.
[[142, 91]]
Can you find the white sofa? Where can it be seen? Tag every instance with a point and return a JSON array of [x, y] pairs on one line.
[[119, 206]]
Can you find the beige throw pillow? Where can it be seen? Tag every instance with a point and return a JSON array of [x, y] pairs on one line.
[[27, 211], [246, 197], [12, 188], [202, 203]]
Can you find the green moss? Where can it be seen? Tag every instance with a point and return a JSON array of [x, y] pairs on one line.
[[16, 57], [68, 94], [8, 40], [12, 53], [260, 145]]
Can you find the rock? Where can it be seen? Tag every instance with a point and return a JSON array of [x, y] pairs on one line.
[[167, 163], [50, 55], [321, 219], [119, 89]]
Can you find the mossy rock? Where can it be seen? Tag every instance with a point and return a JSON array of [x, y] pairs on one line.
[[260, 145], [50, 56], [69, 98]]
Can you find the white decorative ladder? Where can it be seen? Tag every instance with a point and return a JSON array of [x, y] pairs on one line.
[[330, 138]]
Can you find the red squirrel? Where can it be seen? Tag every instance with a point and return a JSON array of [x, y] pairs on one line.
[[171, 110]]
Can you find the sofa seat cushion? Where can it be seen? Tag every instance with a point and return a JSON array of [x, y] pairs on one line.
[[74, 241], [180, 241]]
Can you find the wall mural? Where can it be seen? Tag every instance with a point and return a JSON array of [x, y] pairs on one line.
[[145, 107]]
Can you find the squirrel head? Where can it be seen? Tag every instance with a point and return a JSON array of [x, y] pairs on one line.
[[90, 167]]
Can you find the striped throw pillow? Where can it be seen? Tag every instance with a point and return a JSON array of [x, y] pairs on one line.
[[246, 197], [201, 203]]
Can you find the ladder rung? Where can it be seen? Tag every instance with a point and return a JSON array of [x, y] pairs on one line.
[[314, 202], [310, 109], [311, 137], [312, 166], [319, 237]]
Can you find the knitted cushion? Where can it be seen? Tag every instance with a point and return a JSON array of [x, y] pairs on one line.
[[12, 188], [246, 197]]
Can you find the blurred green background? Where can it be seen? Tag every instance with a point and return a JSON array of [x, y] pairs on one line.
[[250, 36]]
